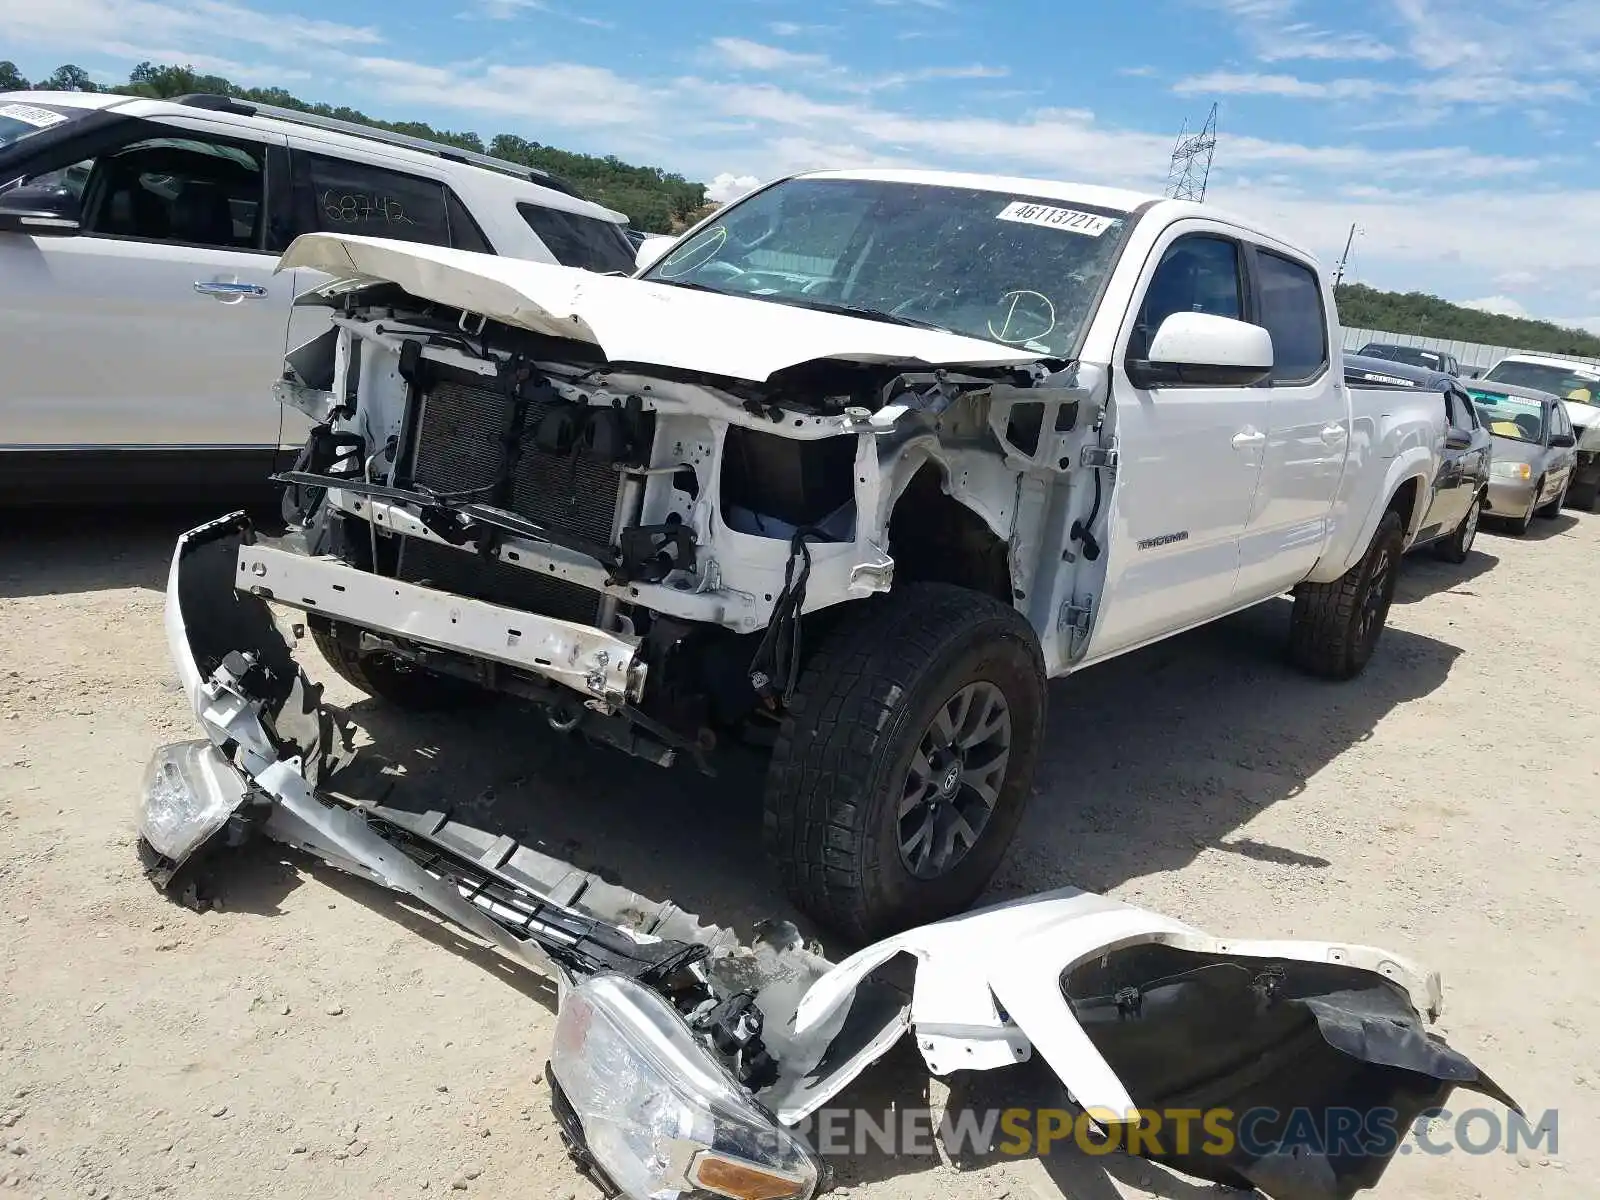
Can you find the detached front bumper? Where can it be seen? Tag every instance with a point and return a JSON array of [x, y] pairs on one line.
[[683, 1059]]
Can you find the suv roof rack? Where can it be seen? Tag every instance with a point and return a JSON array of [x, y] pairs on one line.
[[250, 108]]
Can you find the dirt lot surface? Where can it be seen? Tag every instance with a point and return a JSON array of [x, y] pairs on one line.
[[317, 1038]]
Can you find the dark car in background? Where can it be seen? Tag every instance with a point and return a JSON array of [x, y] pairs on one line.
[[1451, 522], [1535, 451], [1415, 356]]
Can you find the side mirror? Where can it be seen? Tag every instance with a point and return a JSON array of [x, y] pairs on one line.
[[1200, 350], [651, 251], [1562, 441], [1457, 439], [42, 212]]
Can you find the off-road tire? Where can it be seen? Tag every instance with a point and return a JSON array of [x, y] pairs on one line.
[[1552, 510], [1458, 546], [867, 694], [390, 678], [1325, 630]]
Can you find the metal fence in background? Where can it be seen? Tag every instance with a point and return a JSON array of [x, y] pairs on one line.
[[1474, 358]]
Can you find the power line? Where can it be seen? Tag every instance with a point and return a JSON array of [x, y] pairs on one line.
[[1190, 168]]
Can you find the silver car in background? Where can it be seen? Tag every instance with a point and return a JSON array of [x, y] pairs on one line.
[[1535, 451]]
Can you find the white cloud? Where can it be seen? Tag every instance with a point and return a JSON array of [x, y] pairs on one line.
[[1456, 88], [191, 29], [1275, 34], [728, 187], [1232, 83], [745, 55]]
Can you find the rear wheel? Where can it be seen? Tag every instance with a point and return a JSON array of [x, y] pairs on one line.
[[387, 676], [1335, 626], [1458, 546], [906, 759]]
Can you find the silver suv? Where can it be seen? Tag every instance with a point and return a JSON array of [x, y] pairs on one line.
[[142, 320]]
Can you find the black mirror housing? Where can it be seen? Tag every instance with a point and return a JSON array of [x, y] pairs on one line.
[[1458, 439], [1562, 441]]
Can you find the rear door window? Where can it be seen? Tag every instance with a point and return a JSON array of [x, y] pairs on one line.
[[579, 241], [339, 196], [1292, 312]]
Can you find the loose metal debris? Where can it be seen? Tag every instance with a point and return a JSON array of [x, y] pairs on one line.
[[683, 1060]]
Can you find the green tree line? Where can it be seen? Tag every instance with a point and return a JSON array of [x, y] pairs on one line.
[[1361, 307], [655, 200]]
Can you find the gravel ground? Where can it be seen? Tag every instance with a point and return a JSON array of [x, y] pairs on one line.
[[316, 1038]]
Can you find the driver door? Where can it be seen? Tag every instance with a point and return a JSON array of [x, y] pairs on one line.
[[160, 324], [1189, 456]]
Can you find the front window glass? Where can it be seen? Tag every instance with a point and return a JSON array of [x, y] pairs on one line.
[[1572, 384], [1012, 269], [1291, 310], [579, 241], [18, 121], [1510, 416]]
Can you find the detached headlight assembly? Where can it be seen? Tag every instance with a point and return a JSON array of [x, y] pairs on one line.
[[1520, 472], [658, 1114], [189, 793]]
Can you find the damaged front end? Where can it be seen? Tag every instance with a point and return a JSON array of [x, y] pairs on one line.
[[683, 1062]]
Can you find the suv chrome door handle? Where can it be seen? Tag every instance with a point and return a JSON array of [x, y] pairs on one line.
[[231, 291], [1333, 433], [1247, 439]]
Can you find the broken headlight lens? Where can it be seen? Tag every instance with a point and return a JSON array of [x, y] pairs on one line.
[[659, 1115], [189, 793]]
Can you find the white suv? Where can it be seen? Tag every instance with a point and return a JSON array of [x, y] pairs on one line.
[[141, 319]]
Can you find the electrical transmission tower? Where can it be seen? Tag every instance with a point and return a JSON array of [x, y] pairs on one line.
[[1190, 169]]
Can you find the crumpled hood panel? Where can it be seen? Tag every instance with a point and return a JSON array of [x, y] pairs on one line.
[[633, 321]]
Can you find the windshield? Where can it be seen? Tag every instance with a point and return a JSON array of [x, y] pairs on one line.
[[1407, 354], [1571, 383], [1510, 416], [989, 265], [18, 121]]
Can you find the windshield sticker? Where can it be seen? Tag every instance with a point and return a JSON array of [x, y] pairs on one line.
[[1088, 224], [39, 118]]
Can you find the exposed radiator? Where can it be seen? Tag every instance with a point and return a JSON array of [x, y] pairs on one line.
[[465, 573], [460, 447]]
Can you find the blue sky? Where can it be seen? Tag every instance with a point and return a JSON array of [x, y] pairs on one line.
[[1459, 135]]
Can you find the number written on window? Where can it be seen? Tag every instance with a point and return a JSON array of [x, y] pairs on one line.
[[352, 207]]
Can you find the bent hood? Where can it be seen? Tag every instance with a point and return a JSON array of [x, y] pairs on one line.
[[634, 321]]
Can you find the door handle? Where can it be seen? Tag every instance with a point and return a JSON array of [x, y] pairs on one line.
[[1333, 433], [231, 291], [1248, 439]]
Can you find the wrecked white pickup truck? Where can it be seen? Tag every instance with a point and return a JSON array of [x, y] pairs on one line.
[[685, 1066], [865, 459], [857, 466]]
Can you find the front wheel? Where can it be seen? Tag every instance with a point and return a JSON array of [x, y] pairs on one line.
[[906, 760], [1553, 509], [1459, 545], [1335, 626]]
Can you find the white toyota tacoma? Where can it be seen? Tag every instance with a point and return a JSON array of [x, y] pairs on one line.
[[856, 465]]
